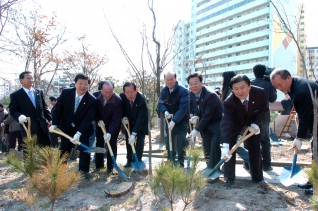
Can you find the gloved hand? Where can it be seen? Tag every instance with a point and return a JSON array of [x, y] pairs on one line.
[[22, 119], [76, 137], [297, 143], [255, 126], [195, 133], [125, 120], [191, 115], [168, 115], [107, 137], [171, 125], [132, 139], [102, 122], [2, 124], [194, 120], [52, 127], [225, 152]]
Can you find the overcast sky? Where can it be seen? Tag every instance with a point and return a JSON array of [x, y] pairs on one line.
[[126, 17]]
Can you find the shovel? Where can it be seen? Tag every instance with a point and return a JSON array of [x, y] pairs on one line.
[[137, 165], [88, 149], [214, 173], [191, 146], [121, 173], [289, 175], [170, 144], [274, 138], [27, 130]]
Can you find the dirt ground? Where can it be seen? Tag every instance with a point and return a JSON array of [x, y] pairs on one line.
[[90, 195]]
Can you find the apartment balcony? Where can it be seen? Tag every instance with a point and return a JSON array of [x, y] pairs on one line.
[[261, 13]]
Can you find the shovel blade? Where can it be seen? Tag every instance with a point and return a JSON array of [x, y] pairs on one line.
[[120, 172]]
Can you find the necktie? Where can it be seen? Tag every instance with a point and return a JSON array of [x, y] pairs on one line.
[[245, 103], [131, 104], [32, 98], [104, 102], [77, 101]]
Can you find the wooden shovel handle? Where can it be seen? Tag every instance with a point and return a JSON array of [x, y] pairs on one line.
[[101, 125], [27, 130], [58, 131], [243, 138]]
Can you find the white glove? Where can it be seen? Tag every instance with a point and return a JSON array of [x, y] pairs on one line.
[[2, 124], [132, 139], [76, 137], [171, 125], [297, 143], [225, 152], [255, 126], [52, 127], [194, 134], [125, 120], [168, 115], [194, 119], [107, 137], [191, 115], [102, 122], [22, 119]]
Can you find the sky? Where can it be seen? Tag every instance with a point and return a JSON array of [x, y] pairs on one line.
[[126, 18]]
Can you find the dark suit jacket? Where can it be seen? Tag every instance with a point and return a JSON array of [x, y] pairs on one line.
[[111, 113], [84, 116], [138, 116], [21, 104], [300, 95], [210, 110], [270, 91], [235, 117]]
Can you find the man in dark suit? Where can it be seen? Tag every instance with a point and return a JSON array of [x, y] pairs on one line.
[[208, 113], [109, 111], [287, 105], [29, 102], [245, 107], [271, 96], [74, 112], [54, 137], [136, 113], [298, 90]]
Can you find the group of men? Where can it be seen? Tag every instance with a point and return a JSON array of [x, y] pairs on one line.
[[224, 122], [74, 112], [215, 121]]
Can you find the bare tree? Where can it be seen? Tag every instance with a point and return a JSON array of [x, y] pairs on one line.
[[36, 41], [287, 24], [86, 62], [5, 9]]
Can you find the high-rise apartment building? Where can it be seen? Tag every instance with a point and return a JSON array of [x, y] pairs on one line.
[[225, 35], [312, 62]]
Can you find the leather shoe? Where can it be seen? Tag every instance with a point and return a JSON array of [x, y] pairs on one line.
[[267, 168], [109, 171], [86, 175], [305, 186], [96, 171], [309, 191], [127, 165], [229, 183]]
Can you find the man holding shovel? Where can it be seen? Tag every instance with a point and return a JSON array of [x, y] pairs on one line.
[[135, 113], [109, 110], [297, 89], [75, 112], [245, 107], [174, 101], [208, 114]]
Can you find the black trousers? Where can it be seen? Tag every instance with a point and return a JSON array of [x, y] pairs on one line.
[[254, 152], [100, 142], [66, 147], [139, 147], [211, 146], [14, 135]]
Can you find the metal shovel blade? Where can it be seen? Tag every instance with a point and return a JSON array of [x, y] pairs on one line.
[[289, 175], [138, 165]]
